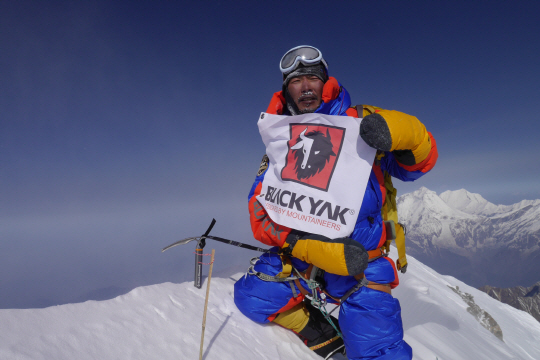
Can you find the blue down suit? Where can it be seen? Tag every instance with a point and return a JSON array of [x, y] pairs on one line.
[[370, 319]]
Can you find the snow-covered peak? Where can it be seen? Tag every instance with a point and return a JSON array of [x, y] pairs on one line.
[[457, 204], [459, 227], [465, 201], [416, 205], [471, 203]]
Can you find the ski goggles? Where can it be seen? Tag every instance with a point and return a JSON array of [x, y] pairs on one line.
[[307, 55]]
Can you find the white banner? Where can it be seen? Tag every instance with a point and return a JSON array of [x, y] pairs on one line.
[[318, 172]]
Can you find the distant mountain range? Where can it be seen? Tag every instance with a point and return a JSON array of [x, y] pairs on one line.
[[522, 298], [461, 234]]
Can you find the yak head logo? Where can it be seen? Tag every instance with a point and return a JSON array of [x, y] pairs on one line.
[[312, 151]]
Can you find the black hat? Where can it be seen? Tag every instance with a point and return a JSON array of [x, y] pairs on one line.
[[318, 70]]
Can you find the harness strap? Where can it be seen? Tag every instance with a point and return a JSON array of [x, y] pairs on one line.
[[375, 254], [400, 244], [293, 289], [362, 281], [307, 274], [389, 212], [286, 266], [302, 289], [355, 288], [318, 346], [360, 110], [375, 286]]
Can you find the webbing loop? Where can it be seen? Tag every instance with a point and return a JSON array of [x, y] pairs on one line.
[[355, 288], [265, 277]]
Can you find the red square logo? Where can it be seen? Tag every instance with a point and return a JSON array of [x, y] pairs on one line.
[[313, 153]]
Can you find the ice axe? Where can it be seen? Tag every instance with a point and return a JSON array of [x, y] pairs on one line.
[[220, 239], [201, 242]]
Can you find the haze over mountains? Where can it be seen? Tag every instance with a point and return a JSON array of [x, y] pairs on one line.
[[461, 234]]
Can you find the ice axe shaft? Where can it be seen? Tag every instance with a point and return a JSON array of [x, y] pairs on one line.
[[199, 255]]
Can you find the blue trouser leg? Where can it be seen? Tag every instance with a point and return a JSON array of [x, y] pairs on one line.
[[370, 321], [258, 299]]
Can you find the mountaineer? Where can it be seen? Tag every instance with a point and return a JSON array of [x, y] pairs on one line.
[[352, 271]]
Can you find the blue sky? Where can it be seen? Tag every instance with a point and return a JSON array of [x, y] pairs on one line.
[[126, 126]]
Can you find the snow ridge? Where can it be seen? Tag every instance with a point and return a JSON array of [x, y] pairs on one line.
[[164, 322]]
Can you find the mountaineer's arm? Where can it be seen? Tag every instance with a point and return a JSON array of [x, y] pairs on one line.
[[341, 256], [264, 229], [411, 149]]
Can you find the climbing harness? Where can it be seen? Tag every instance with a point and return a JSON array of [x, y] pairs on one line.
[[318, 296]]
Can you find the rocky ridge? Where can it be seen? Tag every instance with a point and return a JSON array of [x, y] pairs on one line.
[[482, 316], [522, 298]]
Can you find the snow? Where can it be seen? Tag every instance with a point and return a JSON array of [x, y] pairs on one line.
[[163, 321], [468, 202], [437, 324], [453, 213], [475, 204]]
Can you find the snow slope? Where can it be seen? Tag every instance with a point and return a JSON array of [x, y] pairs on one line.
[[164, 322]]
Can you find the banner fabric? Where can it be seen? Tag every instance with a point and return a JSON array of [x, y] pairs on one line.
[[318, 172]]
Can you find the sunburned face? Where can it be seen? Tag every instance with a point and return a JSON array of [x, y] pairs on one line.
[[306, 91]]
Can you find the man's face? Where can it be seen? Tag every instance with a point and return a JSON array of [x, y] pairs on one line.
[[306, 91]]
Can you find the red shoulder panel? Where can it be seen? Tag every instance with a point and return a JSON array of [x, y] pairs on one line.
[[276, 104], [352, 112], [330, 90], [394, 283], [264, 229]]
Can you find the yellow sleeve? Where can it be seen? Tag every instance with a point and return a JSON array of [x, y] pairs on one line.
[[342, 256]]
